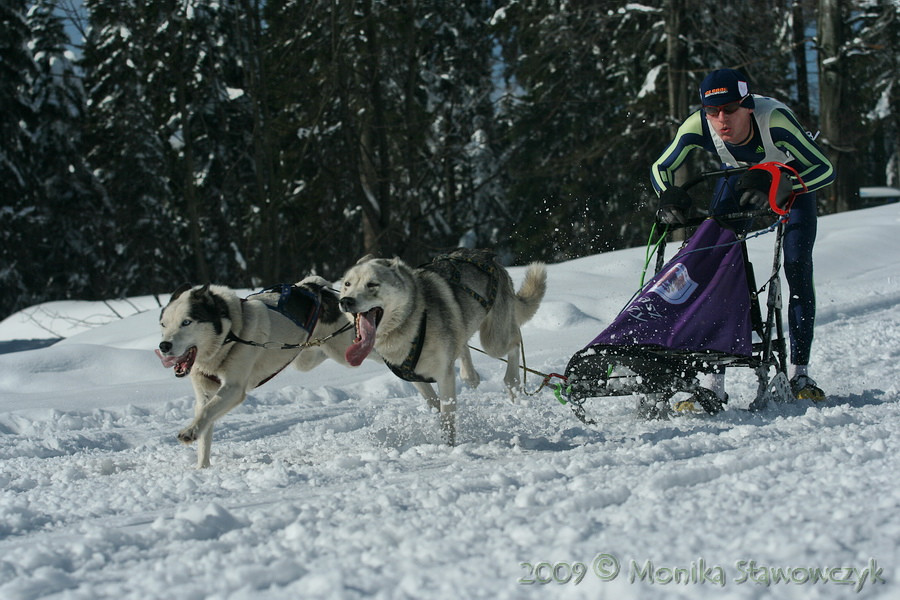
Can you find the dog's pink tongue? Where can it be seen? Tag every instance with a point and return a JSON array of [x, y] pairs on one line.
[[363, 344], [167, 361]]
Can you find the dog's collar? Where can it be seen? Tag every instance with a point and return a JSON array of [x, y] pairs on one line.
[[407, 369]]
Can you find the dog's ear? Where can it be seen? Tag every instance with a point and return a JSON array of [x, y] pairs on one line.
[[202, 293], [365, 258], [181, 289]]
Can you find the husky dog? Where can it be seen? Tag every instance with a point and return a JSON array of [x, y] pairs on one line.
[[229, 346], [420, 319]]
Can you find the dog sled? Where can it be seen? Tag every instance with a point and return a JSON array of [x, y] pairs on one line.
[[700, 313]]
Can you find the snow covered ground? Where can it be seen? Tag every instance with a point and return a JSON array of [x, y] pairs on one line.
[[333, 483]]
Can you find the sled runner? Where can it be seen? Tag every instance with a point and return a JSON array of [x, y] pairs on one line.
[[700, 313]]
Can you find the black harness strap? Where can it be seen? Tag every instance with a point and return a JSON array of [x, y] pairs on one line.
[[215, 379], [407, 369]]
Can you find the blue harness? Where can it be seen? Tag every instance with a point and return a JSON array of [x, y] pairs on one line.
[[299, 304]]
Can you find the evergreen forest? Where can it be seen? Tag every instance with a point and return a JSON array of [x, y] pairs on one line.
[[147, 143]]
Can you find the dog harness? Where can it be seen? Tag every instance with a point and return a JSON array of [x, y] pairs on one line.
[[292, 307], [218, 381], [299, 304], [447, 267], [407, 369]]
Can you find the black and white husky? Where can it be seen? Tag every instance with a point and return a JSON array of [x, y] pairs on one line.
[[230, 345], [419, 320]]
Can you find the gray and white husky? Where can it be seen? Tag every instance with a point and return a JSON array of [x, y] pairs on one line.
[[420, 319], [229, 345]]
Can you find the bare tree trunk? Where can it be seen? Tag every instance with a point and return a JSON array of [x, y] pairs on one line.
[[270, 267], [371, 214], [799, 38], [676, 57], [832, 107], [374, 148], [190, 191], [412, 251]]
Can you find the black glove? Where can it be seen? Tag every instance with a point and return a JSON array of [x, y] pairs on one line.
[[674, 203], [754, 200], [754, 186], [669, 215]]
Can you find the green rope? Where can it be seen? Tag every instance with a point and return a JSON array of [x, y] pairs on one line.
[[652, 247]]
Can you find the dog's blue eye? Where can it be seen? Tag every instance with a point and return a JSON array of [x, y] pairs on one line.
[[186, 322]]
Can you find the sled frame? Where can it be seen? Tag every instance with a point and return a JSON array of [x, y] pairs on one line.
[[657, 374]]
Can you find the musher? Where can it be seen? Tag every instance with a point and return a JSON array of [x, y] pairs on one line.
[[744, 129]]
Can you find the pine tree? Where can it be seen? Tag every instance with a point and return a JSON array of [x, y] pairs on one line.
[[874, 56], [67, 203], [581, 122], [462, 192], [253, 141], [126, 150], [391, 103], [18, 223]]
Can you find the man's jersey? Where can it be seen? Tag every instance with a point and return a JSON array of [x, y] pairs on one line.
[[777, 135]]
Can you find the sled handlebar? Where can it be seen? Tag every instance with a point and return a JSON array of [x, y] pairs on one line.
[[710, 175], [689, 222], [735, 216], [776, 206]]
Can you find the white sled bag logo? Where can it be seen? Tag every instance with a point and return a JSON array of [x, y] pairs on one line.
[[676, 286]]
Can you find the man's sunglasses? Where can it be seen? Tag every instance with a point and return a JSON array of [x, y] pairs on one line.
[[728, 109]]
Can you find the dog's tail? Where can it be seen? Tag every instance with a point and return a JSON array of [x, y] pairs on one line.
[[531, 292]]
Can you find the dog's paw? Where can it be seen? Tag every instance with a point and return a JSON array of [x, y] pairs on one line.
[[471, 379], [514, 392], [188, 435]]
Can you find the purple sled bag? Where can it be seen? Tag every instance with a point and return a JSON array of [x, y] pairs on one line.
[[699, 301]]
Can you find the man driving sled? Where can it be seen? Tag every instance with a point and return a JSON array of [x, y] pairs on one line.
[[743, 129]]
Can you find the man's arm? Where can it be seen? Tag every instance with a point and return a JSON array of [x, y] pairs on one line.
[[811, 163], [689, 136]]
